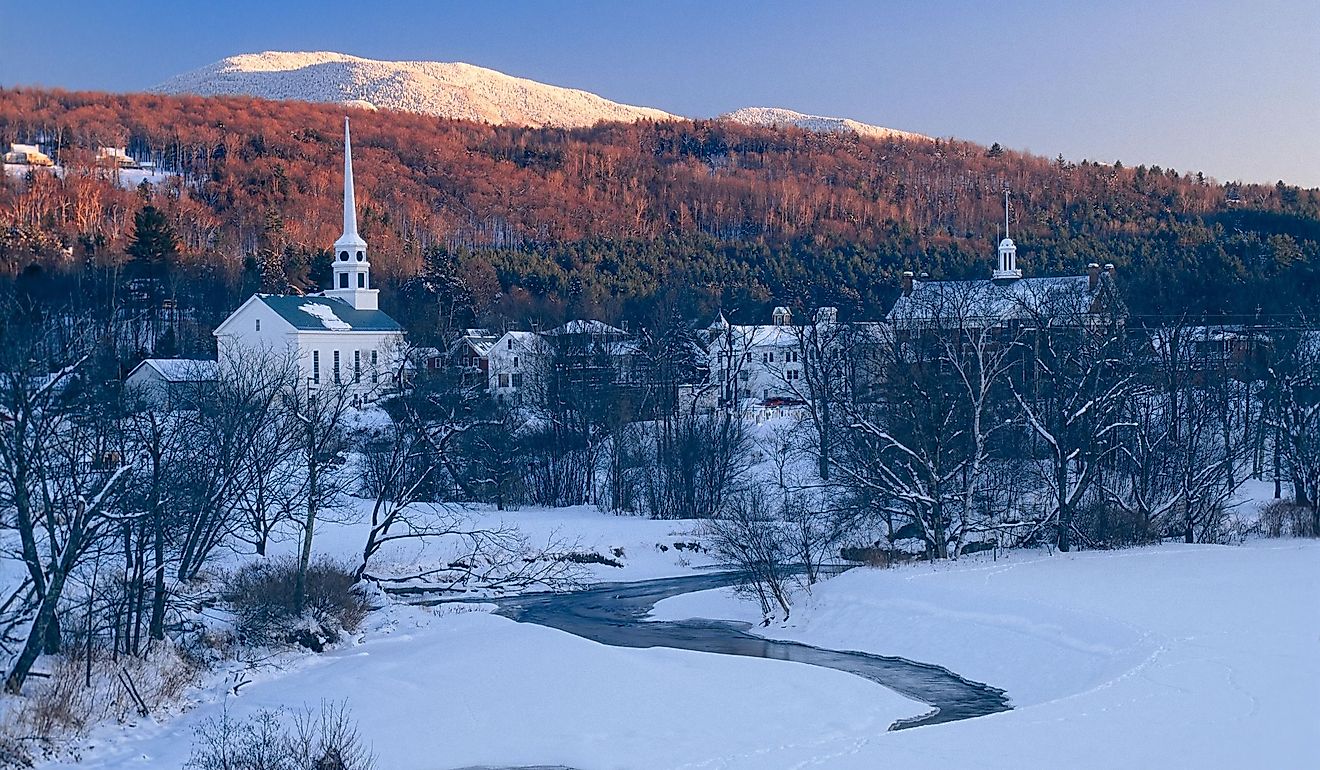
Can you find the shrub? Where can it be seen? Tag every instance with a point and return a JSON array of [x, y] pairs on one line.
[[1284, 518], [262, 597], [64, 704], [274, 740]]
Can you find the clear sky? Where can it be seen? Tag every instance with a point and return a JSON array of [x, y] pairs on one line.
[[1228, 87]]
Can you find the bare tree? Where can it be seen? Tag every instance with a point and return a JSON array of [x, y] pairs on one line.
[[1072, 396], [321, 443], [58, 481]]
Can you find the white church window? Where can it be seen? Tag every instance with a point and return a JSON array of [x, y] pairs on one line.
[[316, 366], [357, 366], [343, 255], [375, 375], [361, 256], [335, 368], [362, 280]]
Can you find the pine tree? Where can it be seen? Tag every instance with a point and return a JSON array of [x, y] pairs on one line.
[[154, 243]]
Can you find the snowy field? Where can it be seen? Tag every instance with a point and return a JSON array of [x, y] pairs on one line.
[[1172, 656]]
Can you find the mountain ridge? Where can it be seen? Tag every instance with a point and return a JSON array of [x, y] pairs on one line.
[[456, 90]]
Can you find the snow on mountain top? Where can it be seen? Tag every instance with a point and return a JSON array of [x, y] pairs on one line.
[[777, 117], [447, 89], [454, 90]]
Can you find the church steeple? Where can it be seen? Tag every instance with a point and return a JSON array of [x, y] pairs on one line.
[[352, 271], [1006, 269]]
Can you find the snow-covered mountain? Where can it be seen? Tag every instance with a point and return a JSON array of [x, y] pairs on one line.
[[452, 90], [778, 117], [447, 89]]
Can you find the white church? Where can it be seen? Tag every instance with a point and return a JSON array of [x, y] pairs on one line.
[[340, 337]]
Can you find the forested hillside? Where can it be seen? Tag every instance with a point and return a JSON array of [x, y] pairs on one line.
[[612, 221]]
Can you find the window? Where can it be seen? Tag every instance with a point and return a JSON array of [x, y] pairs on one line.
[[515, 362], [316, 366], [361, 256], [343, 255], [375, 373], [504, 380], [357, 366], [748, 357], [509, 343], [792, 374], [343, 280], [744, 376], [335, 368], [517, 379], [258, 324], [362, 280]]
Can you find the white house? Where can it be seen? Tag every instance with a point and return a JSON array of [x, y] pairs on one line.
[[579, 351], [338, 337], [169, 381], [758, 364], [511, 360]]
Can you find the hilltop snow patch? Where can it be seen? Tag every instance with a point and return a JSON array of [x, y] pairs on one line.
[[447, 89], [455, 90]]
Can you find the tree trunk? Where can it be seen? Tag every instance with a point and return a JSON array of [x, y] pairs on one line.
[[1064, 533], [39, 635], [305, 556]]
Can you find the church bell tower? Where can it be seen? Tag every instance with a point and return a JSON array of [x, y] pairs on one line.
[[352, 271], [1006, 269]]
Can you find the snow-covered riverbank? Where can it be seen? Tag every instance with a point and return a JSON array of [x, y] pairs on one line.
[[1167, 656]]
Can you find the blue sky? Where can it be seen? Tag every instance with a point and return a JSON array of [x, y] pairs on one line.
[[1228, 88]]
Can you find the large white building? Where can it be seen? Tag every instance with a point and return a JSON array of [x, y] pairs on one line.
[[757, 364], [339, 337]]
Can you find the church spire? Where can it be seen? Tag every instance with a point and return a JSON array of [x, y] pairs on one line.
[[352, 271], [350, 205]]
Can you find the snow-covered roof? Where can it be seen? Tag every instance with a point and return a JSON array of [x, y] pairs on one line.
[[313, 313], [586, 327], [767, 335], [180, 369], [1019, 299]]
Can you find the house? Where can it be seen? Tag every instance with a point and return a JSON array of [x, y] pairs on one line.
[[27, 155], [758, 364], [114, 157], [579, 353], [338, 337], [169, 382]]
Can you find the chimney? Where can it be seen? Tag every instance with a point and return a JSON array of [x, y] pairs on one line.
[[907, 283], [536, 326], [1109, 270], [1092, 276]]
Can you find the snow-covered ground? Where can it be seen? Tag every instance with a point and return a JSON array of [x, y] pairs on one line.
[[1170, 656], [129, 178]]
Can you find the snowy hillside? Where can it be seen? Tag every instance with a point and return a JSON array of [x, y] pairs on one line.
[[448, 89], [778, 117]]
